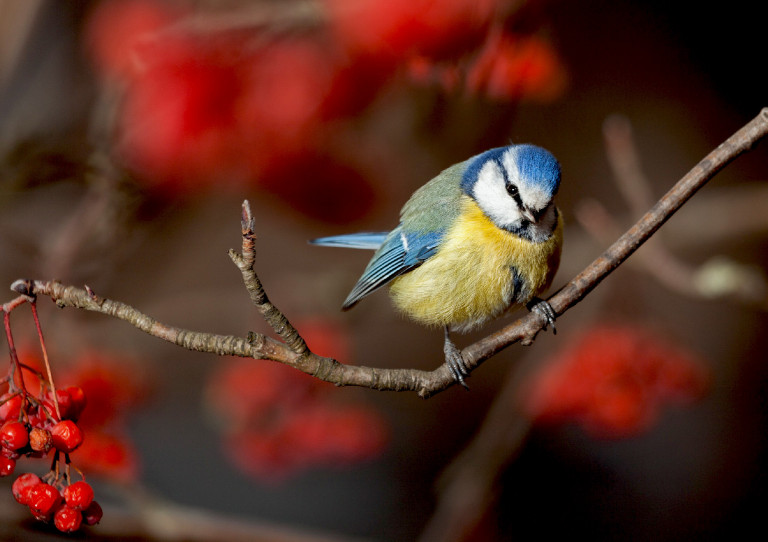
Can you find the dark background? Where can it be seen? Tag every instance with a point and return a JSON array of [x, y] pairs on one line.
[[685, 78]]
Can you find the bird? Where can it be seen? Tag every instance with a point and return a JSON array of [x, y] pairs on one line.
[[481, 238]]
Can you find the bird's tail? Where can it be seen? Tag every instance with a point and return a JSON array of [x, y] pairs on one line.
[[365, 240]]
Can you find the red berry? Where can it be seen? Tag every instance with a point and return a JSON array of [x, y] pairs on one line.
[[43, 500], [512, 67], [7, 466], [620, 409], [77, 405], [67, 519], [613, 381], [78, 495], [22, 485], [65, 404], [92, 514], [67, 436], [109, 455], [400, 28], [14, 435], [40, 440], [10, 406], [37, 418], [8, 453]]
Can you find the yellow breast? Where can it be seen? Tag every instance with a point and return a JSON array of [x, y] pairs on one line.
[[469, 280]]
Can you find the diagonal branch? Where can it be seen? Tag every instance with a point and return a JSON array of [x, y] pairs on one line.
[[526, 329], [293, 350]]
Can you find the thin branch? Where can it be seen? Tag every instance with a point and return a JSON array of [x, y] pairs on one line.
[[468, 487], [625, 162], [657, 260], [573, 292], [85, 298], [46, 360], [294, 351], [246, 262]]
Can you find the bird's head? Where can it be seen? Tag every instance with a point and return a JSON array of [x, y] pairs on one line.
[[515, 187]]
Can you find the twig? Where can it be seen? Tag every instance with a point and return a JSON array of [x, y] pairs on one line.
[[46, 360], [271, 20], [468, 488], [246, 263], [425, 383], [573, 292], [656, 259], [625, 162]]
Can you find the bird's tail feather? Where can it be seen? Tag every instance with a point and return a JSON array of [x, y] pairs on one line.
[[365, 240]]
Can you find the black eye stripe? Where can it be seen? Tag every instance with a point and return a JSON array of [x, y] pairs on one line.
[[503, 171], [512, 189]]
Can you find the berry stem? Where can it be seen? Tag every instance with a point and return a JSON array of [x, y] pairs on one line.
[[15, 364], [54, 473], [67, 475], [33, 304], [78, 471], [34, 371]]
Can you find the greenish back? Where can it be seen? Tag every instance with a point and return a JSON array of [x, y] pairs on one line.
[[436, 204]]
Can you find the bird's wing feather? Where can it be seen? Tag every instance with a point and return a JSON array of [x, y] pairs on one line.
[[365, 240], [400, 253], [424, 218]]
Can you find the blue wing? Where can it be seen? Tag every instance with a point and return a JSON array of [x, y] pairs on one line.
[[367, 240], [399, 253], [424, 218]]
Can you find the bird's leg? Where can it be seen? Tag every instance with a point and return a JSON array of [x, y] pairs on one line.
[[454, 361], [546, 310]]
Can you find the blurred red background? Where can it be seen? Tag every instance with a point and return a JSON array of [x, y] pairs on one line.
[[131, 131]]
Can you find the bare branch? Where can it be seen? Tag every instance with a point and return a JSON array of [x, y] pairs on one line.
[[294, 350], [246, 263], [573, 292], [718, 277]]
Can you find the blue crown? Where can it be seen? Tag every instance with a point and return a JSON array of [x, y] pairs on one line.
[[537, 166]]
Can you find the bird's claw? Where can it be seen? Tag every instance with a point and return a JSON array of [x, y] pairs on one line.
[[455, 362], [545, 309]]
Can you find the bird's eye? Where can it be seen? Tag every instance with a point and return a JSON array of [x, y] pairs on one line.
[[512, 190]]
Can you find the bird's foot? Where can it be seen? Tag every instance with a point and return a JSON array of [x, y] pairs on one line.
[[455, 361], [545, 309]]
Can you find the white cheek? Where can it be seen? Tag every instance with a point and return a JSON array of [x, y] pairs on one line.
[[491, 195]]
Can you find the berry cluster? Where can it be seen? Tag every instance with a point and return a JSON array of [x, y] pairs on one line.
[[37, 420], [115, 385], [614, 380], [278, 421], [253, 104], [68, 507], [33, 426]]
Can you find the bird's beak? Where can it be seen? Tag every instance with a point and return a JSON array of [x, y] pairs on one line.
[[528, 215]]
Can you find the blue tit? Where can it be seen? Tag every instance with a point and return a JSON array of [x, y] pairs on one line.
[[481, 238]]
